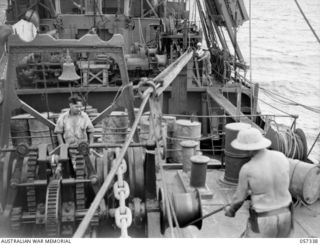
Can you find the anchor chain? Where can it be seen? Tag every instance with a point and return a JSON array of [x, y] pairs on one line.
[[123, 215]]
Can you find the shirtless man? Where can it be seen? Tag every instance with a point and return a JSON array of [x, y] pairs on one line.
[[74, 125], [266, 179]]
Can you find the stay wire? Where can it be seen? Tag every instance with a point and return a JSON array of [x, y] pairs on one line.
[[307, 21]]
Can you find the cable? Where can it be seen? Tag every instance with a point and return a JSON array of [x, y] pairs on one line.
[[307, 21], [286, 101]]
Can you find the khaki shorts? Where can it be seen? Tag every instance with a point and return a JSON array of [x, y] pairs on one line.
[[271, 226]]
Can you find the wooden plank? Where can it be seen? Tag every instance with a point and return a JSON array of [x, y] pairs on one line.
[[229, 107]]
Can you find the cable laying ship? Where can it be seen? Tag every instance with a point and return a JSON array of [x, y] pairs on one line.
[[153, 105]]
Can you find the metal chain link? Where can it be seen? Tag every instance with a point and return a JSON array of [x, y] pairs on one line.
[[121, 190]]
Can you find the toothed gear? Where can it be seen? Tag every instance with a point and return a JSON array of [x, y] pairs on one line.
[[53, 204], [31, 174], [15, 218], [80, 175]]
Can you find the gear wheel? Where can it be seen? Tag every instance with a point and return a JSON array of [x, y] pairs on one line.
[[31, 174], [53, 208], [15, 219], [80, 175]]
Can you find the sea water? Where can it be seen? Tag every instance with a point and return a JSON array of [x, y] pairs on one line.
[[286, 59]]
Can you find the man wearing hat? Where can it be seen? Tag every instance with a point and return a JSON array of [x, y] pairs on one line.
[[266, 179], [204, 56]]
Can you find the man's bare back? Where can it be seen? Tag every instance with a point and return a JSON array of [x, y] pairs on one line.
[[268, 179]]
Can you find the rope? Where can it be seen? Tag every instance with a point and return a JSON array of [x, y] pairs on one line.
[[307, 21], [193, 138], [313, 144], [274, 107], [289, 142]]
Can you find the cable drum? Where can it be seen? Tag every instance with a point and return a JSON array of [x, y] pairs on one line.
[[234, 159], [291, 143]]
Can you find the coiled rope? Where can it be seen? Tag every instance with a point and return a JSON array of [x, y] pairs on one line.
[[291, 143]]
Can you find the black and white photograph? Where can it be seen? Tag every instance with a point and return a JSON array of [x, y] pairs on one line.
[[159, 119]]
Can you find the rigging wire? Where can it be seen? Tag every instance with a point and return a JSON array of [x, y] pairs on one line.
[[250, 44], [307, 21], [286, 101]]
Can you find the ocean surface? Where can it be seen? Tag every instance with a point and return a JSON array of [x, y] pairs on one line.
[[285, 58]]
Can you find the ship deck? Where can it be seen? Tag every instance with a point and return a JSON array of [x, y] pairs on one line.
[[307, 222]]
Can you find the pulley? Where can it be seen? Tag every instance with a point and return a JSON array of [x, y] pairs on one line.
[[136, 158], [68, 70], [187, 208]]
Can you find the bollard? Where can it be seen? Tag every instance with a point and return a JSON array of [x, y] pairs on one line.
[[198, 170], [188, 150], [185, 130]]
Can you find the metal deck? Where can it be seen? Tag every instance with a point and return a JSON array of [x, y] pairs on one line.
[[307, 222]]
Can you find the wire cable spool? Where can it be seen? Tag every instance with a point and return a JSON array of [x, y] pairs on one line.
[[291, 143], [187, 207], [234, 159], [304, 181]]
